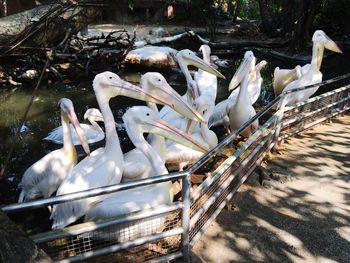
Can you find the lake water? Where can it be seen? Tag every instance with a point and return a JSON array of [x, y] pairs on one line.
[[45, 113]]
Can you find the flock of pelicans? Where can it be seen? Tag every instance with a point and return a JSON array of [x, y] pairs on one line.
[[179, 134]]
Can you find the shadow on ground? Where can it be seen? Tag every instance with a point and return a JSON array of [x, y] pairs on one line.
[[306, 219]]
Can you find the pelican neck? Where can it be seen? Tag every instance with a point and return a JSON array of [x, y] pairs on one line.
[[243, 94], [136, 136], [67, 137], [95, 125], [316, 47], [157, 141], [112, 140]]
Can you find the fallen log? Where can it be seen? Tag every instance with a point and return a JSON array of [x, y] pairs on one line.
[[45, 25]]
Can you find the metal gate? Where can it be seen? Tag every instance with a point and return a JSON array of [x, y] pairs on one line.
[[167, 232]]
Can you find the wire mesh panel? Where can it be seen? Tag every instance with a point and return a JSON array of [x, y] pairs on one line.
[[88, 237], [315, 110], [208, 201]]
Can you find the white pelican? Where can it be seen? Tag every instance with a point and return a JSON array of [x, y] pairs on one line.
[[220, 114], [178, 156], [243, 110], [313, 74], [282, 77], [137, 121], [186, 58], [142, 167], [93, 132], [206, 82], [105, 165], [44, 177]]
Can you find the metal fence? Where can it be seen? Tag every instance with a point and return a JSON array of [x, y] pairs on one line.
[[167, 232]]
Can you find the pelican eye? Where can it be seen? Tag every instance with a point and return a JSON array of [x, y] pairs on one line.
[[147, 114], [159, 80], [110, 77]]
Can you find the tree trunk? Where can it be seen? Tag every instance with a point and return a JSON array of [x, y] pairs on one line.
[[16, 246], [50, 23], [266, 19], [306, 10]]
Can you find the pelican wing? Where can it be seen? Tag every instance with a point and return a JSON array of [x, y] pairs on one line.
[[94, 171]]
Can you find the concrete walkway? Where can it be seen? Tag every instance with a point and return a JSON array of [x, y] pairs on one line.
[[300, 214]]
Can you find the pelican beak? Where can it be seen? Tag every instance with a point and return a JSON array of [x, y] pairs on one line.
[[242, 71], [160, 127], [164, 96], [179, 104], [331, 45], [193, 60], [74, 120]]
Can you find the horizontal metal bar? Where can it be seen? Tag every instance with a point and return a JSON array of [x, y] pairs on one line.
[[223, 167], [122, 246], [310, 113], [225, 184], [230, 138], [325, 82], [93, 226], [166, 258], [286, 135], [92, 192], [310, 100]]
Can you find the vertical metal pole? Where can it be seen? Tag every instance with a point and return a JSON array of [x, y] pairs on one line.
[[278, 125], [186, 198]]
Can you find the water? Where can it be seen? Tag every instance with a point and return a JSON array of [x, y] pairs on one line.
[[45, 113]]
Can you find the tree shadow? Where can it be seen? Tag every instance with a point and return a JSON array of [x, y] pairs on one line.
[[306, 219]]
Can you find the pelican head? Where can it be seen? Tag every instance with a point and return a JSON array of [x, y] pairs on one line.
[[93, 114], [260, 65], [155, 83], [189, 58], [320, 37], [321, 41], [145, 120], [108, 85], [248, 62], [67, 110]]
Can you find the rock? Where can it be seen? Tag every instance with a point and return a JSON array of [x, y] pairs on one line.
[[152, 56], [16, 246]]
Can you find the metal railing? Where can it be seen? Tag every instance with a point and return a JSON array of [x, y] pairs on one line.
[[167, 232]]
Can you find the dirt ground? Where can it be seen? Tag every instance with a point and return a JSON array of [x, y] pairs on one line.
[[301, 213]]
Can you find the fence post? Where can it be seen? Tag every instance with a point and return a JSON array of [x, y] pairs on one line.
[[278, 125], [186, 198]]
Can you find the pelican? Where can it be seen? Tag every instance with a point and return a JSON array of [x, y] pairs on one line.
[[178, 156], [283, 77], [138, 120], [313, 75], [220, 113], [206, 82], [243, 110], [93, 132], [44, 177], [186, 58], [105, 165], [142, 168]]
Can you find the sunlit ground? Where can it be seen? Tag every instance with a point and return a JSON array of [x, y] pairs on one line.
[[306, 219]]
